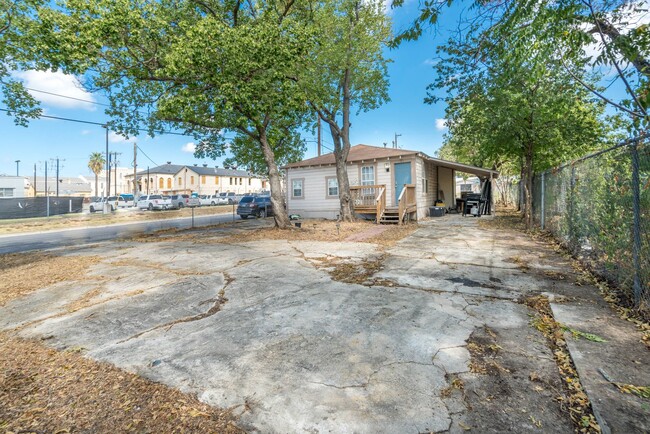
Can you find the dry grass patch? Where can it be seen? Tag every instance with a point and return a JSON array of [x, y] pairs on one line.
[[44, 390], [505, 218], [325, 230], [98, 219], [23, 273]]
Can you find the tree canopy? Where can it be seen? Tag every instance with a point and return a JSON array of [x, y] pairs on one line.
[[17, 42], [202, 67]]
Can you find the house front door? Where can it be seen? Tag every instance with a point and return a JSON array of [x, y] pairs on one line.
[[402, 177]]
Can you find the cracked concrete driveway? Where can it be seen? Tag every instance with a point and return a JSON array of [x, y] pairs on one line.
[[262, 326]]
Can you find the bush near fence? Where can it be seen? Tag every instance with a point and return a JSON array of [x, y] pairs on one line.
[[599, 208], [27, 207]]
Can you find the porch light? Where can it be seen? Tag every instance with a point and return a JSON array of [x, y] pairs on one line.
[[387, 166]]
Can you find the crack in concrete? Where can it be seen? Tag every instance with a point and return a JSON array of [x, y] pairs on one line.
[[216, 307]]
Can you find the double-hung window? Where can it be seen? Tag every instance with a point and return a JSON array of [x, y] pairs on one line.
[[332, 187], [297, 187]]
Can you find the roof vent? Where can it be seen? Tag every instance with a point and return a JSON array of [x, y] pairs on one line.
[[169, 162]]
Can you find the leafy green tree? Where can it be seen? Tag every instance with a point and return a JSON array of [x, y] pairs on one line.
[[504, 108], [567, 29], [346, 70], [96, 164], [202, 67], [16, 53]]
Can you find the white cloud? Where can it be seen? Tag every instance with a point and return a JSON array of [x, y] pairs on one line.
[[189, 147], [441, 124], [114, 137], [431, 62], [57, 83], [86, 132]]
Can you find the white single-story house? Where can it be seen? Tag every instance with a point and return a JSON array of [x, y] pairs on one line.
[[387, 184]]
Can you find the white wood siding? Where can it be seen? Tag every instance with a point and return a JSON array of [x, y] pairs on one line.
[[447, 186], [315, 203], [425, 170]]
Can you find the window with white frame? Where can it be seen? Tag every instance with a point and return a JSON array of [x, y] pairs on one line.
[[6, 192], [368, 175], [425, 185], [332, 186], [297, 186]]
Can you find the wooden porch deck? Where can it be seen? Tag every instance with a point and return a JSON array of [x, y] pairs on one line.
[[371, 199]]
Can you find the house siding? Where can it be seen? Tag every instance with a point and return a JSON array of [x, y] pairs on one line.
[[315, 203], [425, 170], [447, 186]]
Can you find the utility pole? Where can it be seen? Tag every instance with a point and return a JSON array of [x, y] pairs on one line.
[[115, 163], [135, 170], [35, 190], [148, 179], [319, 136], [47, 196], [57, 176], [108, 166], [395, 141], [17, 167]]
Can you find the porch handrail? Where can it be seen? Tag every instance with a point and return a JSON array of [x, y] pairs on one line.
[[381, 203], [365, 196], [405, 200]]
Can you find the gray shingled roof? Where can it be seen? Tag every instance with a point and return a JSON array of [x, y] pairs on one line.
[[173, 169]]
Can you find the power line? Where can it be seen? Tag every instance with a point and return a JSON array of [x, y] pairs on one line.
[[99, 124], [144, 153], [66, 96]]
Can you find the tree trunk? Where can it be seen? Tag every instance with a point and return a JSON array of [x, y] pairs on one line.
[[527, 172], [341, 151], [277, 198], [340, 158], [96, 180]]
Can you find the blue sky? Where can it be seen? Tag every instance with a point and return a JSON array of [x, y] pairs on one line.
[[420, 126]]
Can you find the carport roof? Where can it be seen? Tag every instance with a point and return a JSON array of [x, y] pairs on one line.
[[367, 153]]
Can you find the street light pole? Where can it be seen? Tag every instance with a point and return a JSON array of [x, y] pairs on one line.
[[17, 167]]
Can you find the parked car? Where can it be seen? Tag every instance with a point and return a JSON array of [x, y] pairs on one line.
[[179, 201], [128, 200], [209, 199], [151, 202], [230, 197], [166, 202], [110, 203], [255, 206]]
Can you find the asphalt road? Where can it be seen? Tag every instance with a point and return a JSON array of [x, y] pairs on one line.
[[67, 237]]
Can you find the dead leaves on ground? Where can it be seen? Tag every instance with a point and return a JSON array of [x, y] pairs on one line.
[[576, 400], [44, 390], [23, 273]]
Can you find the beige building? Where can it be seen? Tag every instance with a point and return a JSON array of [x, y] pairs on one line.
[[174, 178], [387, 184]]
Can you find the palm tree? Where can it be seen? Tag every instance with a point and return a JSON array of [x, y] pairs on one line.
[[96, 165]]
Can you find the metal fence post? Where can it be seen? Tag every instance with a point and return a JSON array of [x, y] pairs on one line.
[[572, 185], [636, 225], [543, 206]]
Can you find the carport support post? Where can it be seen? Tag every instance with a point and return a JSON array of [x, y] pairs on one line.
[[542, 212]]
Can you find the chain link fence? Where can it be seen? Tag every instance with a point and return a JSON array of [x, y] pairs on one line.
[[599, 208]]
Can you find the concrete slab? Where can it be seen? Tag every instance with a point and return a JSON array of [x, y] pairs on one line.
[[261, 327]]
